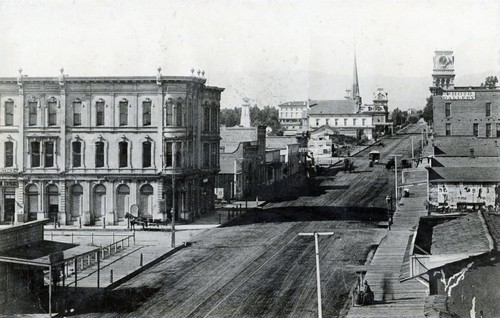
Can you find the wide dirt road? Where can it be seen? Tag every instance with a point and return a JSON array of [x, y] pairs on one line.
[[266, 269], [262, 270], [367, 186]]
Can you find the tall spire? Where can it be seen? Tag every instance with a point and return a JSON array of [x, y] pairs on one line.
[[355, 84]]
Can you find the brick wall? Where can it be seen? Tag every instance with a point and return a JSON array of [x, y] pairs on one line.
[[21, 234], [464, 113]]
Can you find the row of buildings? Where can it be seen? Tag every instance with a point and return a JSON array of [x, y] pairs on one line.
[[326, 119], [454, 251], [464, 171], [89, 150]]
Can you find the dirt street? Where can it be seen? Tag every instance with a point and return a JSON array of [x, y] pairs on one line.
[[260, 266]]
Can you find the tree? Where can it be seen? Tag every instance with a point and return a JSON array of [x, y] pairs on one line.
[[490, 81], [230, 117], [428, 110], [268, 116], [399, 117]]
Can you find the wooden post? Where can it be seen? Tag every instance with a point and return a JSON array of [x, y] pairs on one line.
[[50, 291], [76, 272], [318, 278], [98, 269], [111, 277], [141, 260]]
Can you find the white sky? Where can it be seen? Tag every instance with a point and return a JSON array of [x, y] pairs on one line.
[[107, 38]]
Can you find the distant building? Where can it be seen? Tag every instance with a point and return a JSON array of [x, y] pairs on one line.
[[347, 116], [341, 116], [88, 149], [462, 111], [250, 160], [242, 161], [293, 117]]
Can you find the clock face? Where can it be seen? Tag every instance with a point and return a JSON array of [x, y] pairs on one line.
[[443, 60]]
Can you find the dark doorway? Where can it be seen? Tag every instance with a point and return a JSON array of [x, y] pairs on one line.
[[53, 202], [9, 204]]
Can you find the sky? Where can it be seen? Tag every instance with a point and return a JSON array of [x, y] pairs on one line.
[[266, 50]]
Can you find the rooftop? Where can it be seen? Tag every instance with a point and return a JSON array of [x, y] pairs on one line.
[[467, 234], [294, 103], [342, 106], [460, 146], [459, 174]]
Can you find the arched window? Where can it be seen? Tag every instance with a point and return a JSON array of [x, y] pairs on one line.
[[179, 114], [35, 154], [49, 151], [99, 119], [99, 154], [52, 105], [76, 147], [169, 112], [123, 154], [53, 201], [146, 113], [77, 113], [33, 199], [76, 200], [122, 200], [146, 200], [99, 201], [146, 154], [9, 154], [9, 112], [123, 105], [32, 117]]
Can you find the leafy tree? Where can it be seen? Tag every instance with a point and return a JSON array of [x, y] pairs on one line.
[[399, 117], [230, 117], [428, 110], [490, 81], [268, 116]]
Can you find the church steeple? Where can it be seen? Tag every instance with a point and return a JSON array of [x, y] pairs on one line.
[[355, 85]]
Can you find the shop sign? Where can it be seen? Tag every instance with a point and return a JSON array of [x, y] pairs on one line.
[[459, 95]]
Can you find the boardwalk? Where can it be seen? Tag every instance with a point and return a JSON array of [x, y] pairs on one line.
[[392, 298]]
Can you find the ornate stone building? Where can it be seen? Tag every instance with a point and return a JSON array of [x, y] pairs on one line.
[[89, 150]]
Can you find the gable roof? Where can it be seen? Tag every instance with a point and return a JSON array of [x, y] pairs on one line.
[[461, 174], [460, 146], [467, 234], [342, 106]]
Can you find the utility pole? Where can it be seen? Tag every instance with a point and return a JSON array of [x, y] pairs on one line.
[[396, 176], [422, 140], [318, 280], [412, 150], [174, 163]]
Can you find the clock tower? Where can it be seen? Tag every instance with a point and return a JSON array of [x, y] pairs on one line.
[[443, 73]]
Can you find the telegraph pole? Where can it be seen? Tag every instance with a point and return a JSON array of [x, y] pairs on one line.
[[318, 280], [396, 175], [174, 162]]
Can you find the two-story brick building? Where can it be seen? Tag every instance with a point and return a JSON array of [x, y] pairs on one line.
[[465, 110], [88, 149]]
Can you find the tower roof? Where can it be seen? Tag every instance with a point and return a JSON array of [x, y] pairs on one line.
[[355, 83]]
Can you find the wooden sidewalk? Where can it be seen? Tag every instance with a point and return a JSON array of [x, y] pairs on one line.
[[392, 298]]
